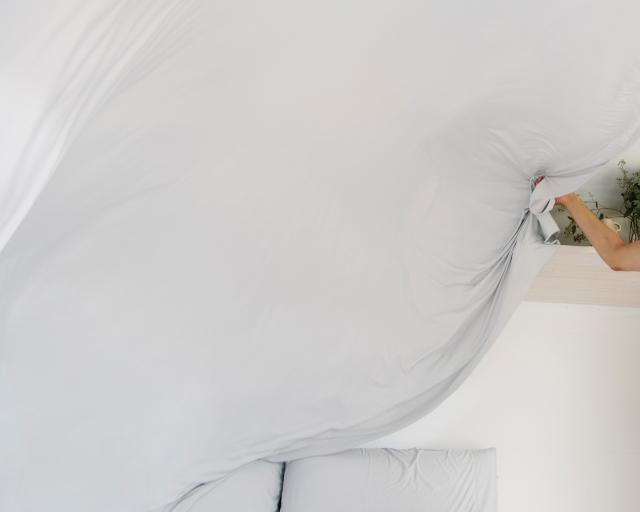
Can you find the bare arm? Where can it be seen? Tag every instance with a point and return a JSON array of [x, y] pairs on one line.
[[610, 247]]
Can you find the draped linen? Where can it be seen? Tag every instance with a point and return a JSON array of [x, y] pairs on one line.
[[240, 230]]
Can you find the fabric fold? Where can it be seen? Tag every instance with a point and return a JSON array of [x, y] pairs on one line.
[[540, 205]]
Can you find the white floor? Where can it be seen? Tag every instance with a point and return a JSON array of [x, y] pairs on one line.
[[558, 395]]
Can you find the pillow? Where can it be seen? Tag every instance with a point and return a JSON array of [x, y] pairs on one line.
[[254, 487], [377, 480]]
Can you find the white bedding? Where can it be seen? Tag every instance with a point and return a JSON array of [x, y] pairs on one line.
[[382, 480], [237, 230], [255, 487]]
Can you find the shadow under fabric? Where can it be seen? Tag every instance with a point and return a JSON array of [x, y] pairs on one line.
[[236, 231]]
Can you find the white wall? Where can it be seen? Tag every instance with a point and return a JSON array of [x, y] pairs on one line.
[[558, 395]]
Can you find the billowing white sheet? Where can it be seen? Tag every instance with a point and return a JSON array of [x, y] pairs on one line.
[[241, 229]]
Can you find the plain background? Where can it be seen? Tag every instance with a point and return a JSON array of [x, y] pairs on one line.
[[558, 395]]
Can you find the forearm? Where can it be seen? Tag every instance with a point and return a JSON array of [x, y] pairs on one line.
[[604, 240]]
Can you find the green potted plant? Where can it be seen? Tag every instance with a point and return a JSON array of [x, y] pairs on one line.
[[629, 182], [573, 231]]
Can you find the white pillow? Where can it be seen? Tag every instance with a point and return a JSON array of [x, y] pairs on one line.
[[252, 488], [377, 480]]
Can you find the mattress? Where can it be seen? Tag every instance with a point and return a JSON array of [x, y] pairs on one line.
[[380, 480]]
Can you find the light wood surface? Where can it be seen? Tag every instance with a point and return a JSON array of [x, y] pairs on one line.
[[577, 275]]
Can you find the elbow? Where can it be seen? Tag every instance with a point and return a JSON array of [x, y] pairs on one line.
[[615, 262]]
